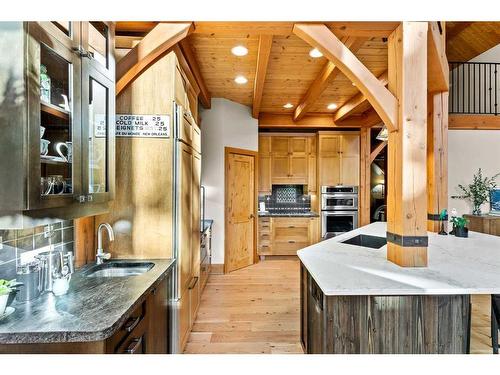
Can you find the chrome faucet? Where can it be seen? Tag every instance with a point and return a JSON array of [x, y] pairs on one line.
[[101, 255]]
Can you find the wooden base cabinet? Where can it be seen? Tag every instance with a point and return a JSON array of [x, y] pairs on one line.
[[145, 331], [286, 235], [484, 224], [365, 324]]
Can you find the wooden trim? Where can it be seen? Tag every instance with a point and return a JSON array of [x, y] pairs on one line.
[[324, 78], [263, 53], [377, 150], [474, 122], [153, 46], [364, 177], [255, 154], [438, 71], [317, 121], [188, 53], [382, 100], [356, 101], [184, 64]]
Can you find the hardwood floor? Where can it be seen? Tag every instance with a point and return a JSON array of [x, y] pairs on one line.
[[257, 310]]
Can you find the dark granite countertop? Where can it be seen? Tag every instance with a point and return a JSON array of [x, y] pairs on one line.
[[205, 224], [294, 214], [92, 310]]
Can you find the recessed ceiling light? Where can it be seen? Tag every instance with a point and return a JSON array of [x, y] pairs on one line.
[[288, 105], [315, 53], [331, 106], [239, 51], [240, 80]]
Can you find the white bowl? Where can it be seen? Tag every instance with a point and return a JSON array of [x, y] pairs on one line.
[[44, 146]]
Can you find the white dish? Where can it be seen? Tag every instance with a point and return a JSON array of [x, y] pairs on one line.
[[8, 311]]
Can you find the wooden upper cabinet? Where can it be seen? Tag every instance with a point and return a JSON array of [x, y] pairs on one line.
[[298, 145], [350, 160], [329, 159], [280, 169], [338, 162], [280, 145], [264, 168], [298, 167], [180, 88], [313, 161]]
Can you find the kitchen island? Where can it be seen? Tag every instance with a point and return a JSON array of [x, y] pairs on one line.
[[355, 301]]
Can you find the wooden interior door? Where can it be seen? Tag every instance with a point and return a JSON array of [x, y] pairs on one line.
[[240, 209]]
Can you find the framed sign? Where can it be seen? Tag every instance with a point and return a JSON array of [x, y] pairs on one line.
[[142, 126]]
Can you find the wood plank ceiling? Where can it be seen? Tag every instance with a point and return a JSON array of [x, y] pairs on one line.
[[291, 71]]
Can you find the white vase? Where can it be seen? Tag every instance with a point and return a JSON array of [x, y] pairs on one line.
[[3, 303]]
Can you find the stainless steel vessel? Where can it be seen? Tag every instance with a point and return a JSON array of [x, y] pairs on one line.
[[29, 276]]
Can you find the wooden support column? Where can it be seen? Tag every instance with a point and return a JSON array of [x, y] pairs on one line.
[[407, 154], [437, 158], [365, 177]]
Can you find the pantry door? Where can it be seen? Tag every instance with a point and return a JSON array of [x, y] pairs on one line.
[[240, 209]]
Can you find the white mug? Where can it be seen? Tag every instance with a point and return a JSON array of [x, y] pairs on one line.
[[69, 150], [61, 286]]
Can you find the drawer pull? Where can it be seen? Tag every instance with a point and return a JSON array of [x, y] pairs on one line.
[[264, 246], [133, 346], [291, 226], [291, 241], [132, 323]]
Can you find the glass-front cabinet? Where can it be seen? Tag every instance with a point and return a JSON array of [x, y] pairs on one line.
[[62, 77]]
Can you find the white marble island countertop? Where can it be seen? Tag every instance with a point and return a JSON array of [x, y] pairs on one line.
[[455, 266]]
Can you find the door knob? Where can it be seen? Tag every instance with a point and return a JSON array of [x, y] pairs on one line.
[[251, 216]]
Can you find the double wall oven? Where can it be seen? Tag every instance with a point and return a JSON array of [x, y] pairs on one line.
[[339, 210]]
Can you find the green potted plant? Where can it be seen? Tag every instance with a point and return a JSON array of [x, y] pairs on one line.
[[478, 192], [5, 288], [460, 226]]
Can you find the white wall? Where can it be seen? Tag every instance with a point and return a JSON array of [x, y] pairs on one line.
[[226, 124], [469, 150]]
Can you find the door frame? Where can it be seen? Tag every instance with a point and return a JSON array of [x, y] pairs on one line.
[[255, 154]]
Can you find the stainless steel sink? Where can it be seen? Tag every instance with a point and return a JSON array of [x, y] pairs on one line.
[[119, 269]]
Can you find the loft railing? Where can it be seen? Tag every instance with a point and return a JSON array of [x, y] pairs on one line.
[[474, 88]]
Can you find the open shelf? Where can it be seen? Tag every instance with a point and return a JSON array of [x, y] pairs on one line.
[[54, 110], [44, 159]]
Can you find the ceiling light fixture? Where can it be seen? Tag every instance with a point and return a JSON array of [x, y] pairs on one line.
[[331, 106], [240, 80], [239, 51], [288, 105], [315, 53]]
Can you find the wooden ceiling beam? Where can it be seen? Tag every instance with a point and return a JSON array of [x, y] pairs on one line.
[[382, 100], [438, 71], [263, 54], [358, 100], [153, 46], [473, 122], [354, 29], [204, 95], [325, 76], [320, 121]]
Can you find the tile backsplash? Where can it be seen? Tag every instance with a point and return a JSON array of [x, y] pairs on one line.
[[18, 246], [287, 197]]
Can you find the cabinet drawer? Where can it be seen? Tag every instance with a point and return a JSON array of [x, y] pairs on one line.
[[128, 330], [297, 234], [264, 249], [194, 296], [264, 237], [288, 248]]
